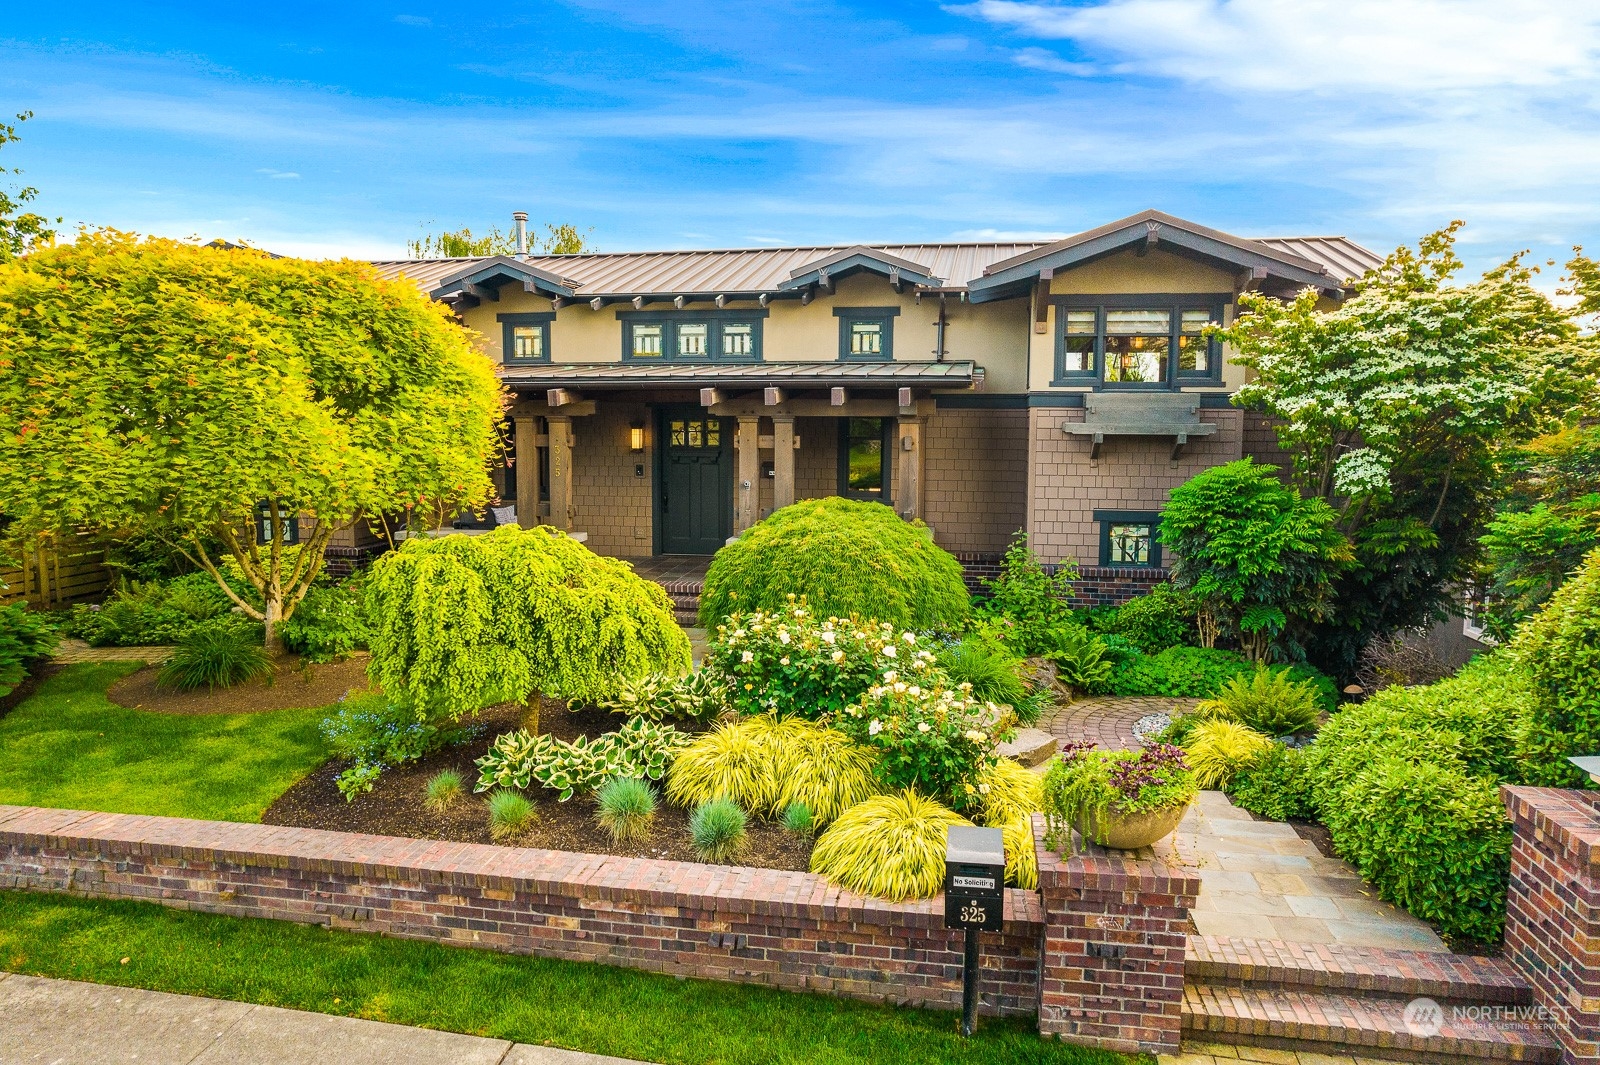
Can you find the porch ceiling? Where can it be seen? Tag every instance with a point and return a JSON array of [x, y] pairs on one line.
[[602, 376]]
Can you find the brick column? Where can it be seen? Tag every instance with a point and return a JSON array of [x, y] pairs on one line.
[[1111, 967], [1553, 910]]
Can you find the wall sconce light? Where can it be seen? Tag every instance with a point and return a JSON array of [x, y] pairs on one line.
[[636, 436]]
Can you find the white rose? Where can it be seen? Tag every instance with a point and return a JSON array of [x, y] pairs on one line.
[[748, 657], [783, 637], [890, 676], [913, 690], [827, 635], [922, 726], [784, 660], [890, 651], [910, 637], [874, 728], [975, 736], [838, 656]]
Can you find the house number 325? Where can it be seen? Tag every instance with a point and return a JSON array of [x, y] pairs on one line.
[[972, 913]]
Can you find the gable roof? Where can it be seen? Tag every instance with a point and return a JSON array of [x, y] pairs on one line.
[[853, 260]]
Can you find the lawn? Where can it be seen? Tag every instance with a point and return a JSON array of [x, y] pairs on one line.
[[68, 746], [595, 1008]]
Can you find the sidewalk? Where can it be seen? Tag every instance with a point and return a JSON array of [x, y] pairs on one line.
[[61, 1021]]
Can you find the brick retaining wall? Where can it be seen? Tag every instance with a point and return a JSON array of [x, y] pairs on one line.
[[1113, 976], [1553, 909], [1095, 586]]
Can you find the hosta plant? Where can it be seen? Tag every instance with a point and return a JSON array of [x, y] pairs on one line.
[[891, 847], [640, 749], [1084, 785], [697, 697], [936, 739], [792, 662]]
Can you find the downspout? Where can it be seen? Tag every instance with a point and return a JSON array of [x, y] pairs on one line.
[[938, 348]]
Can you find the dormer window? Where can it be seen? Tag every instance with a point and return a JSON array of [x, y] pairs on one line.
[[525, 337]]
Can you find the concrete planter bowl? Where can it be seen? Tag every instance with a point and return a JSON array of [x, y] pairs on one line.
[[1127, 832]]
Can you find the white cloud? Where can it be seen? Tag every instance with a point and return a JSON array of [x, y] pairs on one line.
[[1327, 45], [278, 175], [1044, 59]]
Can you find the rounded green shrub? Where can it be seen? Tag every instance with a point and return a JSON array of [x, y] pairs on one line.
[[215, 656], [626, 807], [716, 830], [1275, 786], [844, 557], [1559, 648], [1163, 618], [462, 622], [891, 847]]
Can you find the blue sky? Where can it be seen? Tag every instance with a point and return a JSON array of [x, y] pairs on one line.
[[345, 129]]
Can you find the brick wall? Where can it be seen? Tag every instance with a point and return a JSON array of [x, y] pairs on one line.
[[1116, 929], [976, 476], [1095, 586], [1066, 486], [1553, 909]]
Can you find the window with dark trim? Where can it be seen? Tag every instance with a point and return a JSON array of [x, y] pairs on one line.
[[1138, 341], [1129, 538], [691, 336], [525, 337], [864, 457], [866, 332]]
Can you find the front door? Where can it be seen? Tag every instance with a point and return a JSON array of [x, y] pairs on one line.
[[696, 481]]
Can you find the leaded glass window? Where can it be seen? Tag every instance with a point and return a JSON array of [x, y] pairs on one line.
[[1078, 346], [646, 341], [738, 340], [866, 338], [692, 339], [695, 433], [1129, 544], [527, 342]]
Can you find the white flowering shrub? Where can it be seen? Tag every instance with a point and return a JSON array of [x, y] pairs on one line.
[[791, 663], [937, 740]]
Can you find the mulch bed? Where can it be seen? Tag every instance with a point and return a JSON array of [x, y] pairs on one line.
[[394, 806], [291, 687]]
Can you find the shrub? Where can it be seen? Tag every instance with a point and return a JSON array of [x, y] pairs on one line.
[[1274, 786], [1022, 861], [1270, 702], [716, 830], [937, 740], [462, 622], [1081, 660], [141, 613], [510, 814], [1153, 622], [215, 656], [1028, 599], [626, 807], [796, 663], [327, 625], [798, 821], [375, 733], [995, 676], [24, 636], [730, 762], [891, 847], [1178, 672], [696, 697], [819, 768], [640, 748], [1219, 748], [1082, 786], [442, 791], [1559, 649], [1010, 791], [844, 557]]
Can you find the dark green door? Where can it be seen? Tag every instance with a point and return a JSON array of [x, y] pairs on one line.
[[696, 480]]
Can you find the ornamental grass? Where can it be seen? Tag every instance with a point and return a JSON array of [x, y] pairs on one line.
[[731, 762], [890, 846], [820, 768]]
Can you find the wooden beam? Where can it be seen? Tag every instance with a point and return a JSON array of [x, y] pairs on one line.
[[526, 470], [560, 397], [556, 303], [747, 476], [894, 278], [783, 441], [1041, 301], [771, 397], [532, 408], [837, 396], [482, 292], [762, 299], [638, 303], [806, 297], [678, 302], [1152, 236], [561, 471], [710, 397], [907, 484], [903, 397], [722, 299], [1252, 279], [824, 282], [596, 303]]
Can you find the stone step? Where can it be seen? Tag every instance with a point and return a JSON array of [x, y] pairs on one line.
[[1031, 747], [1265, 963], [1365, 1025]]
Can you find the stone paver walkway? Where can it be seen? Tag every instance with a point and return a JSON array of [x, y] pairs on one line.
[[1222, 1054], [1108, 721], [70, 651], [59, 1021], [1262, 881]]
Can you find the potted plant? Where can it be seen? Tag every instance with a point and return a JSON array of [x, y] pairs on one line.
[[1118, 799]]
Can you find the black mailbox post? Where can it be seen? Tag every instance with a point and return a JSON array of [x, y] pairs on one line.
[[974, 901]]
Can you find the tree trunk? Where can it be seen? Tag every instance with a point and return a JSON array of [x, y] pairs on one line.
[[274, 608]]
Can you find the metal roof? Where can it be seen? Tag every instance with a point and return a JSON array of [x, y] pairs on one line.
[[794, 374], [1340, 257]]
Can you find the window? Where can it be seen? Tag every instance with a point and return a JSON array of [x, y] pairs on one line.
[[694, 433], [1138, 341], [525, 337], [863, 458], [1129, 538], [866, 332], [704, 336]]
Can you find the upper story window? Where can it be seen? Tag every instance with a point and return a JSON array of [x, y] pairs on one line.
[[525, 337], [866, 332], [689, 336], [1154, 341]]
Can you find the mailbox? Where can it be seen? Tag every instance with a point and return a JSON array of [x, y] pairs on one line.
[[974, 879]]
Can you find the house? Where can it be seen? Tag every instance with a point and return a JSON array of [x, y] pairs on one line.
[[668, 400]]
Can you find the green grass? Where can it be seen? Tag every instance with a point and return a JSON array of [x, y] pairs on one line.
[[68, 746], [589, 1007]]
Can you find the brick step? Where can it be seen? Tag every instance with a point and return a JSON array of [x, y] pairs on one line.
[[1361, 1024], [1270, 964]]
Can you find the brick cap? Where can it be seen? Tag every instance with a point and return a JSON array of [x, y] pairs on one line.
[[1096, 868], [1557, 820]]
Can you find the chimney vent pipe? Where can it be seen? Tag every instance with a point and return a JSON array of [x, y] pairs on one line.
[[520, 219]]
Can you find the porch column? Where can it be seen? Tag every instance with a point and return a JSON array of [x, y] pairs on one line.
[[747, 474], [560, 471], [782, 460], [526, 472], [908, 467]]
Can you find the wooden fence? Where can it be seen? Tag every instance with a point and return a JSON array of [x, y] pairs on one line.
[[55, 571]]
